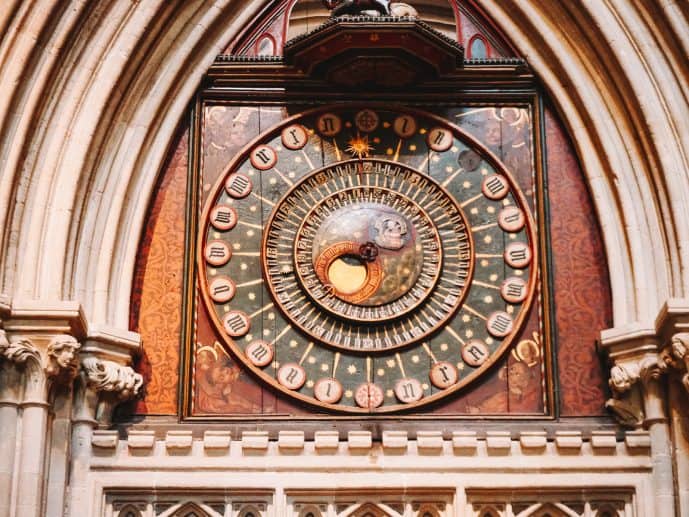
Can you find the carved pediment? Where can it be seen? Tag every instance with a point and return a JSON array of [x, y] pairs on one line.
[[384, 51]]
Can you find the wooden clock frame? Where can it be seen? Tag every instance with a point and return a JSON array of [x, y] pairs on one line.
[[261, 81]]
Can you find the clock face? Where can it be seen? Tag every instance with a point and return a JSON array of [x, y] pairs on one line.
[[366, 259]]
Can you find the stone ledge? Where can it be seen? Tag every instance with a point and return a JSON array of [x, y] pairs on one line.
[[141, 440], [604, 441], [465, 442], [533, 441], [569, 440], [430, 442], [358, 442], [637, 441], [498, 442], [396, 440], [325, 441]]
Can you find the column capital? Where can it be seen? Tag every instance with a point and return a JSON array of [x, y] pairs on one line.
[[38, 320], [46, 362], [18, 350], [56, 339], [647, 352]]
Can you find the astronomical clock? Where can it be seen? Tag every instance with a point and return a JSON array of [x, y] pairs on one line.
[[363, 248]]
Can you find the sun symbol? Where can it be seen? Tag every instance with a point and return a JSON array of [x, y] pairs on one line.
[[359, 146]]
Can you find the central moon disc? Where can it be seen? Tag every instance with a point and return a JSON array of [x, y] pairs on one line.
[[347, 274]]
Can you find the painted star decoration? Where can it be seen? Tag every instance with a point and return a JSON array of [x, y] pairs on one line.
[[358, 146]]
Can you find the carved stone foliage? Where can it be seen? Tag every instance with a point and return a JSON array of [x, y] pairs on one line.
[[629, 395], [111, 377], [18, 351], [59, 360]]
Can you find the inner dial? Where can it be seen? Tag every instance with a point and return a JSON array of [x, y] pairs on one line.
[[367, 252]]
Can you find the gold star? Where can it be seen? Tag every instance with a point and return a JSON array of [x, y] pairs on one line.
[[359, 146]]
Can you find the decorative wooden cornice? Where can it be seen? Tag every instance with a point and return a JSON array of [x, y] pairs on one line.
[[270, 78], [382, 55], [384, 51]]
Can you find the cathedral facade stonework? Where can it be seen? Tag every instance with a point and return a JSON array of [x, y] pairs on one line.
[[123, 128]]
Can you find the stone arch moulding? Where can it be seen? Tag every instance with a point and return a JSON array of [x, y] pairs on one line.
[[86, 126]]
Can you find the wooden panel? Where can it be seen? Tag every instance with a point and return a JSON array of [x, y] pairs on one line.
[[157, 288], [582, 285]]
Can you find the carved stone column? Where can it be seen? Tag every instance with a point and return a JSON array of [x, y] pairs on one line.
[[46, 369], [10, 398], [44, 347], [638, 384], [41, 367], [649, 364], [673, 328], [43, 341], [105, 380]]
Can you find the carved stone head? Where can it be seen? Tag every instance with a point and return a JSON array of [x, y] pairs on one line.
[[63, 356], [680, 345], [620, 379]]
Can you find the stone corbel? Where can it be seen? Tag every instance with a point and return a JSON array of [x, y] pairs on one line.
[[627, 382], [675, 357], [106, 377], [635, 370], [113, 382]]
